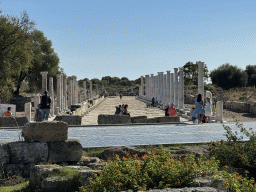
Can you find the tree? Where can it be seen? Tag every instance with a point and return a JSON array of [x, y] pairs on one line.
[[16, 54], [45, 59], [191, 73], [228, 76], [251, 72]]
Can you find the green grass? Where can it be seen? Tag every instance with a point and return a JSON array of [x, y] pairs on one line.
[[92, 152], [22, 187]]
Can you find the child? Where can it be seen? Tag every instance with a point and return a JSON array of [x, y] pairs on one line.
[[193, 114]]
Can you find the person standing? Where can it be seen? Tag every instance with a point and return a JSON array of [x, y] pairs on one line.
[[166, 111], [45, 106], [153, 102], [208, 110], [199, 108], [8, 113]]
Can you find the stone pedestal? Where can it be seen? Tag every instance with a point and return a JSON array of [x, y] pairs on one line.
[[201, 78], [28, 110], [176, 87], [44, 81], [36, 102], [181, 89]]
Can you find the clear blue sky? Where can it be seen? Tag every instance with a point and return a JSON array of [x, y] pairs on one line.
[[130, 38]]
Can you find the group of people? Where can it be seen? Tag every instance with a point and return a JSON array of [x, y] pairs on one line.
[[202, 110], [43, 109], [122, 110]]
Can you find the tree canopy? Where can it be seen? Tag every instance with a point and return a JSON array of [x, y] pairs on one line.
[[251, 72], [228, 76]]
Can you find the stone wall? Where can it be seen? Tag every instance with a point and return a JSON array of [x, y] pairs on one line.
[[70, 120], [125, 119], [240, 106], [13, 121]]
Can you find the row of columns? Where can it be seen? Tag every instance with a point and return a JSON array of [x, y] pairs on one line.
[[169, 88]]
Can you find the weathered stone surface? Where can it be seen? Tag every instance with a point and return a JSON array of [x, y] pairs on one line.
[[139, 119], [24, 152], [186, 189], [58, 184], [85, 174], [65, 151], [45, 131], [39, 173], [18, 169], [151, 120], [85, 161], [4, 154], [13, 122], [70, 120], [110, 152], [114, 119], [168, 119]]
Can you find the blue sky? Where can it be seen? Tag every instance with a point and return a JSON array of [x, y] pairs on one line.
[[130, 38]]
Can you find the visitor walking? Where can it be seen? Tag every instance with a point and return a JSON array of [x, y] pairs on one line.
[[45, 106], [153, 102], [199, 108]]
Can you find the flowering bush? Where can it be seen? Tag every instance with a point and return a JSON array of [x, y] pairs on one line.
[[152, 170]]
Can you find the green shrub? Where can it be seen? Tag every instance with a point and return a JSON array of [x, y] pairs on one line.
[[152, 170], [235, 152]]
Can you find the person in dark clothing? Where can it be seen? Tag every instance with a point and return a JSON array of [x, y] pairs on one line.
[[167, 110], [118, 109], [153, 102], [45, 106], [38, 114]]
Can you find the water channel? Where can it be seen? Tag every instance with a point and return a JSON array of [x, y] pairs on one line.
[[104, 136]]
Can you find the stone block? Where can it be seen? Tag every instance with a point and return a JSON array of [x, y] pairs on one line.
[[168, 119], [59, 184], [13, 121], [39, 173], [85, 174], [45, 131], [114, 119], [64, 151], [151, 120], [139, 119], [25, 152], [18, 169], [70, 120], [4, 154], [85, 161]]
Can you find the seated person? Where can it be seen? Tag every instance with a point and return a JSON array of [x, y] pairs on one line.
[[125, 112], [172, 111], [166, 110], [8, 113], [118, 110]]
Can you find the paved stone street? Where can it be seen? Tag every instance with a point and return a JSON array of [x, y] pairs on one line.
[[135, 108]]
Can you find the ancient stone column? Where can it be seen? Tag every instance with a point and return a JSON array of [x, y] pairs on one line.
[[85, 91], [37, 101], [147, 86], [74, 91], [90, 89], [59, 98], [172, 88], [160, 87], [77, 91], [70, 92], [64, 92], [156, 87], [51, 94], [181, 89], [201, 78], [168, 87], [175, 87], [44, 81], [219, 111], [164, 89], [152, 86], [142, 86]]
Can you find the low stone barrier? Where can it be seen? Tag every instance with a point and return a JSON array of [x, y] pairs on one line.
[[125, 119], [45, 131], [69, 119], [13, 121]]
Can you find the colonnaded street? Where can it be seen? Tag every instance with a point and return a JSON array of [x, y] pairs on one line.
[[135, 108]]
